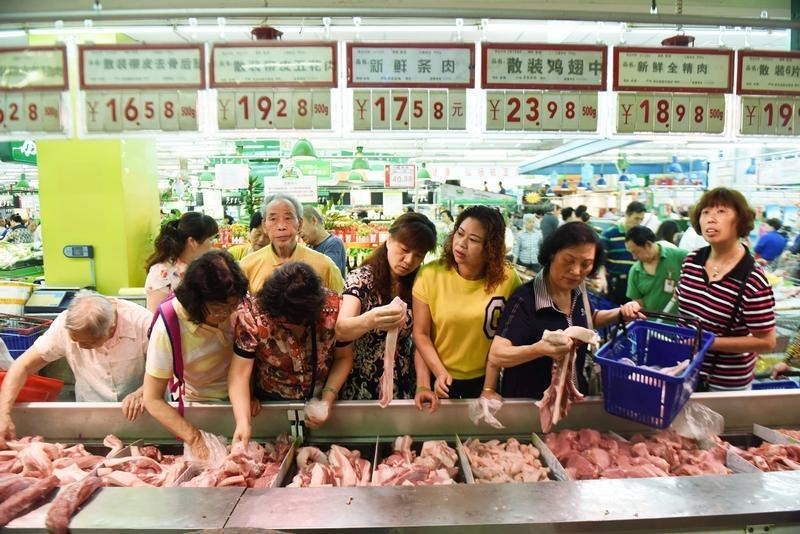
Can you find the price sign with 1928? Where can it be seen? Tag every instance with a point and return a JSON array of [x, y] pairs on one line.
[[141, 110], [670, 113], [532, 110], [274, 109]]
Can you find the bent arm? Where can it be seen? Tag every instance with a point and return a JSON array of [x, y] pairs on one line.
[[239, 374], [165, 414], [755, 342], [30, 362], [351, 323], [502, 354], [340, 370], [422, 337]]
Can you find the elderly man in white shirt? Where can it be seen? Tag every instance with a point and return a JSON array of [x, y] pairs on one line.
[[105, 343]]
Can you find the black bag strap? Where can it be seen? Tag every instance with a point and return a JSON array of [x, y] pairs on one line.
[[310, 392]]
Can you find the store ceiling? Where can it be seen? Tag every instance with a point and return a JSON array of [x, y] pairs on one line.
[[205, 21]]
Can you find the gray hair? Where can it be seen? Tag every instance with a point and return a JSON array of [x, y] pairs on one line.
[[90, 313], [529, 216], [310, 212], [289, 199]]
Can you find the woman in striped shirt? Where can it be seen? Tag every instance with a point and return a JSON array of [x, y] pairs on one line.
[[712, 279]]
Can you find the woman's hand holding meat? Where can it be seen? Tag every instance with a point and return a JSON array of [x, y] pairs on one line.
[[243, 433], [557, 351], [388, 317]]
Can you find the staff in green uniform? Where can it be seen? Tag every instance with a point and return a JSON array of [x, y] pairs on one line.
[[652, 279]]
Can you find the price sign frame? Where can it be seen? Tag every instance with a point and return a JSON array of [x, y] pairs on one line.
[[645, 107], [234, 118], [740, 59], [352, 51], [488, 48], [86, 51], [33, 50], [119, 104], [41, 109], [531, 110], [753, 111], [400, 175], [617, 86], [272, 46]]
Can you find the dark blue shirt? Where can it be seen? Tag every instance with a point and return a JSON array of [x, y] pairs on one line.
[[770, 245], [527, 314], [333, 247]]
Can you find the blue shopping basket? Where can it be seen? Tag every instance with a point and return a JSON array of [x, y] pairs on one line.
[[645, 395]]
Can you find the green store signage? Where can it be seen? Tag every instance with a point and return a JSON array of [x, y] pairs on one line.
[[20, 151]]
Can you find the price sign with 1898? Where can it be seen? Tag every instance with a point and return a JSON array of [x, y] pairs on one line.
[[141, 110], [670, 113]]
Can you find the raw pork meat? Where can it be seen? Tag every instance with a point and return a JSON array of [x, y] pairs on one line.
[[68, 501], [341, 467], [389, 352], [435, 465], [24, 500], [773, 457], [494, 462]]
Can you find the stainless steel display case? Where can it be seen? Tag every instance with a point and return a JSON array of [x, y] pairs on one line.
[[678, 504]]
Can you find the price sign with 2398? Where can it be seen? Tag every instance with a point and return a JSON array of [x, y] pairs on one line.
[[541, 111], [670, 113], [141, 110]]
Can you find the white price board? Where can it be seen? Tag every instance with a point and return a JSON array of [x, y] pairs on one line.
[[673, 69], [543, 66], [762, 72], [31, 111], [273, 64], [541, 111], [273, 109], [112, 111], [670, 113], [404, 109], [400, 176], [303, 189], [415, 65], [33, 68], [138, 67]]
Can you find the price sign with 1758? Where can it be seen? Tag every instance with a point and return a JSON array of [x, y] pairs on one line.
[[541, 110], [409, 109], [274, 109], [141, 110], [670, 113]]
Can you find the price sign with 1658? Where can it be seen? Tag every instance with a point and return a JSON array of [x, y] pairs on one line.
[[541, 110], [274, 109], [141, 110], [30, 111], [773, 115], [670, 113]]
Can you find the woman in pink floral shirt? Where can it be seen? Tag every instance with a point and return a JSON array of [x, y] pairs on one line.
[[292, 350], [179, 242]]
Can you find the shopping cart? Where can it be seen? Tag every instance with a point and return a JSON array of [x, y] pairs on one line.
[[19, 332], [646, 395]]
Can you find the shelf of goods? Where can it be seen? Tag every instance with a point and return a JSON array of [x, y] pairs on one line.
[[732, 502]]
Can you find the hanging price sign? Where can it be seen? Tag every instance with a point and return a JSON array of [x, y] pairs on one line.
[[689, 70], [404, 109], [541, 66], [430, 65], [31, 111], [110, 111], [670, 113], [34, 68], [541, 111], [270, 110], [768, 73], [138, 67], [770, 115], [273, 64]]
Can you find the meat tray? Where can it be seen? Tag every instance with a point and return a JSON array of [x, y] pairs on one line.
[[546, 456], [385, 447], [366, 447]]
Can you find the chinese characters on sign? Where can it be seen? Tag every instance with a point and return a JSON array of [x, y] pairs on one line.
[[115, 111], [278, 109], [142, 66], [510, 66], [665, 113], [768, 73], [404, 109], [274, 64], [33, 68], [400, 176], [411, 65], [541, 111], [692, 70]]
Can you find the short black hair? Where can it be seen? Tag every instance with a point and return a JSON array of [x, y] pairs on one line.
[[640, 235], [775, 223], [635, 207], [293, 292], [214, 277], [723, 196], [568, 235]]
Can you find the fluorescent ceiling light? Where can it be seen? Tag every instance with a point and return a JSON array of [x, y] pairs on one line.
[[573, 150], [10, 34]]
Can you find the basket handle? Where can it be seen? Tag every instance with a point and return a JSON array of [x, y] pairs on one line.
[[698, 336]]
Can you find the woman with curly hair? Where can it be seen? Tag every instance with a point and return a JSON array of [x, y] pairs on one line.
[[367, 314], [179, 242], [457, 302]]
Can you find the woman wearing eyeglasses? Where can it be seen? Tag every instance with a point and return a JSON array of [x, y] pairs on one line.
[[292, 350], [212, 288]]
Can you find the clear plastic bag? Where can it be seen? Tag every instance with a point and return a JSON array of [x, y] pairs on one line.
[[217, 451], [316, 410], [698, 421], [483, 408]]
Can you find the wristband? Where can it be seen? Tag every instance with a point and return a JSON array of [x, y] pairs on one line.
[[423, 388], [489, 389], [328, 388]]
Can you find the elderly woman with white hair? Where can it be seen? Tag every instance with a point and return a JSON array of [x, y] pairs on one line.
[[526, 246], [104, 341]]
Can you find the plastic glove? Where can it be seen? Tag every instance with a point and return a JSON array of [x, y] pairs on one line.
[[485, 408], [317, 412], [206, 449]]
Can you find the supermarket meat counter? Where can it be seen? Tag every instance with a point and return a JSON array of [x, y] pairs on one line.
[[763, 502]]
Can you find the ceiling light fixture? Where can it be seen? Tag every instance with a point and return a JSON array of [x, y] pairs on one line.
[[303, 149], [360, 162], [423, 173]]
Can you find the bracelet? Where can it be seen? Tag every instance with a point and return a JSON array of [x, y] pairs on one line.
[[489, 389], [422, 388], [328, 388]]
